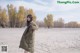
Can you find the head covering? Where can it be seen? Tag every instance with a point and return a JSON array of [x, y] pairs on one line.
[[29, 16]]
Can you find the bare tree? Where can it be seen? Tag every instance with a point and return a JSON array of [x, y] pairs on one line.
[[59, 23], [72, 24]]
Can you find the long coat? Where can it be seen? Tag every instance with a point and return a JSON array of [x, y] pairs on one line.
[[27, 40]]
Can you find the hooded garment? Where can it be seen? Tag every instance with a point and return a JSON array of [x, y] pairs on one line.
[[27, 39]]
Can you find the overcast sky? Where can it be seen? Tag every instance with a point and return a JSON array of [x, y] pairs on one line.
[[69, 12]]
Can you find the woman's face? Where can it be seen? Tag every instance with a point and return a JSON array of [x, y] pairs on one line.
[[28, 19]]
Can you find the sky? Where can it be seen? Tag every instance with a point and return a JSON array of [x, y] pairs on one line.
[[69, 12]]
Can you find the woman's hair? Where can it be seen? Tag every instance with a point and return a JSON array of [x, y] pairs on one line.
[[29, 16]]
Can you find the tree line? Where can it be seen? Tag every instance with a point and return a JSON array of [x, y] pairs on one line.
[[60, 24], [50, 23], [12, 17]]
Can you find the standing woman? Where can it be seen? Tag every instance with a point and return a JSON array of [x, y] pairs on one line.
[[27, 40]]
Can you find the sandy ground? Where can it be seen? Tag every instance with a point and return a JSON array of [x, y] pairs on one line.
[[54, 40]]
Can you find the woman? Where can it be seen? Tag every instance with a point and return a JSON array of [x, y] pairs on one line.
[[27, 40]]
